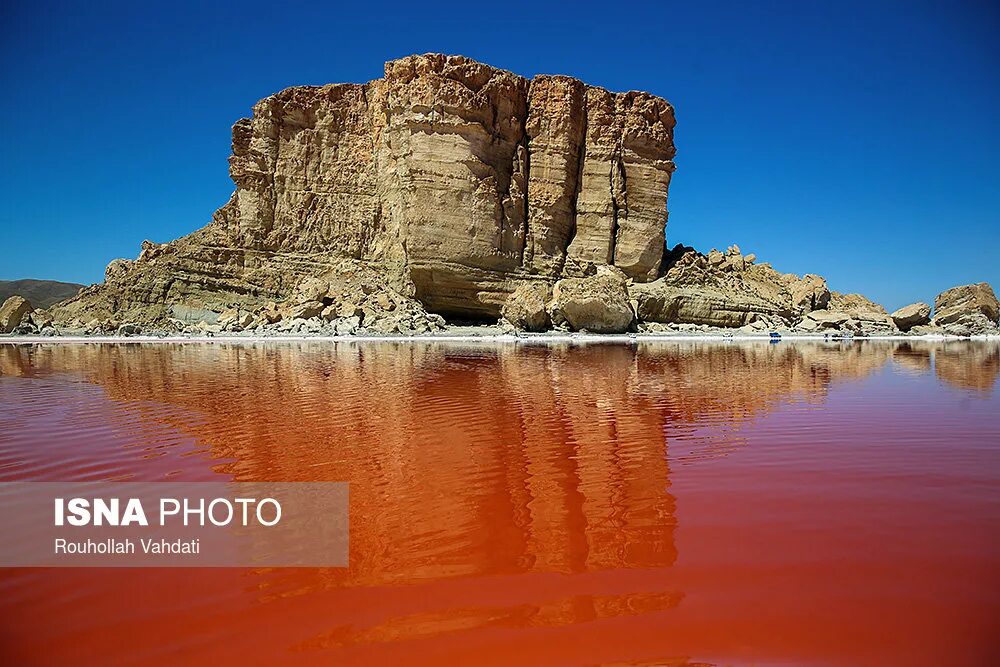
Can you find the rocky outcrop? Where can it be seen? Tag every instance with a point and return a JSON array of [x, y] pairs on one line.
[[855, 322], [824, 319], [725, 289], [916, 314], [527, 307], [864, 316], [965, 300], [971, 324], [13, 311], [598, 304], [661, 302], [451, 188], [455, 180], [728, 289], [810, 293], [856, 305], [116, 269]]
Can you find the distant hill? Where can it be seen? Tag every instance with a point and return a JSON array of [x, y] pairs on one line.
[[41, 293]]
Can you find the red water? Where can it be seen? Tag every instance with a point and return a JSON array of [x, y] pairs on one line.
[[661, 503]]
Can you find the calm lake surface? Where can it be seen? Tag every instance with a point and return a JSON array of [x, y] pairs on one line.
[[677, 503]]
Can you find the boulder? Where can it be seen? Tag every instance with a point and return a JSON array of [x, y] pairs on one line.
[[526, 307], [808, 325], [228, 316], [269, 313], [13, 311], [971, 324], [243, 320], [810, 293], [855, 305], [599, 303], [873, 324], [116, 269], [829, 319], [916, 314], [206, 328], [350, 309], [303, 311], [927, 330], [312, 288], [659, 301], [957, 302], [41, 318], [331, 313], [345, 326]]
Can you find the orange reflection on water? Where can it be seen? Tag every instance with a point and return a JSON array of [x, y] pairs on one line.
[[659, 503]]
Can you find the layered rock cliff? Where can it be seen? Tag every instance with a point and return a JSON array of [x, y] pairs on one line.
[[449, 187], [454, 181]]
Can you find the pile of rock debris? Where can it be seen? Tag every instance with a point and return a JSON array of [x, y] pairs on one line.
[[721, 292]]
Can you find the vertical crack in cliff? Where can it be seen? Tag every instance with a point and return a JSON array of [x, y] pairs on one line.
[[619, 204], [266, 240], [578, 185], [619, 196], [507, 159], [613, 236], [527, 181]]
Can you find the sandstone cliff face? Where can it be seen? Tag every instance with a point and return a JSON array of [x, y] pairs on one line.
[[455, 180]]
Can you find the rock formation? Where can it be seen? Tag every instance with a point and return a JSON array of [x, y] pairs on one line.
[[451, 188], [527, 307], [599, 304], [456, 181], [958, 302], [725, 290], [965, 310], [12, 312], [916, 314]]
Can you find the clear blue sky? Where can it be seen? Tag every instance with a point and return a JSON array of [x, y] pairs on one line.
[[858, 140]]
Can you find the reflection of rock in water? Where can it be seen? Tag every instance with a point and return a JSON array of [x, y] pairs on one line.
[[467, 459], [518, 460], [968, 364], [914, 356]]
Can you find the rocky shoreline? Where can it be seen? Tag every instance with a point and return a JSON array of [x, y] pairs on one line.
[[450, 193], [718, 294], [484, 333]]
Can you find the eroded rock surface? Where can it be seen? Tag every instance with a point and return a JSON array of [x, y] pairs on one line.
[[12, 312], [856, 305], [965, 300], [598, 304], [915, 314], [452, 188], [527, 307], [971, 324], [661, 302], [455, 180], [810, 293]]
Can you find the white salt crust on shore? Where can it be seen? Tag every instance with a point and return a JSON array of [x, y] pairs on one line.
[[485, 338]]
